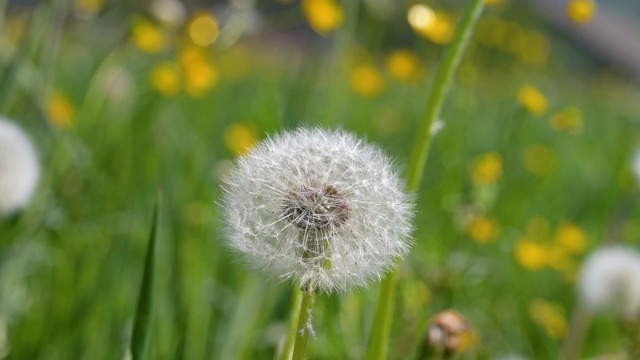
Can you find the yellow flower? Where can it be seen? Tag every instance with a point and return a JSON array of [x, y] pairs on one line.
[[366, 80], [550, 317], [571, 237], [148, 37], [493, 2], [436, 26], [581, 11], [203, 29], [560, 259], [403, 65], [60, 110], [533, 47], [539, 159], [487, 168], [569, 119], [166, 78], [323, 16], [531, 254], [532, 100], [484, 230], [89, 7], [240, 137], [199, 73]]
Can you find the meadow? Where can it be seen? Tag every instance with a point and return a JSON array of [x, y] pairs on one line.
[[531, 171]]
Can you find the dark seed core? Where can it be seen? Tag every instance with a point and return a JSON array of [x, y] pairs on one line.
[[316, 208]]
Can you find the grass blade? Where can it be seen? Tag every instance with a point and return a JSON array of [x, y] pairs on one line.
[[144, 312]]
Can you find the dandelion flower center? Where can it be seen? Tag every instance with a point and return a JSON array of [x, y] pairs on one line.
[[316, 208]]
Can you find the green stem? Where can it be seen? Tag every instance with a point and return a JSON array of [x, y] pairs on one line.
[[304, 327], [578, 328], [287, 352], [379, 337], [634, 349]]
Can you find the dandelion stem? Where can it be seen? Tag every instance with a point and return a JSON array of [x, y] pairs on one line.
[[578, 327], [304, 324], [287, 352], [379, 337], [634, 349]]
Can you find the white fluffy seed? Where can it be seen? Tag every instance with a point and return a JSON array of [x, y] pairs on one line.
[[19, 168], [317, 206]]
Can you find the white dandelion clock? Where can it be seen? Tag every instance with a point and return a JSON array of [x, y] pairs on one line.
[[610, 280], [19, 168], [318, 206]]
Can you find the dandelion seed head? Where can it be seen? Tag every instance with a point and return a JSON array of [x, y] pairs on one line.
[[19, 168], [317, 206], [610, 280]]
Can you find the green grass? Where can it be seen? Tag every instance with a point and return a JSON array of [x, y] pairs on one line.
[[71, 263]]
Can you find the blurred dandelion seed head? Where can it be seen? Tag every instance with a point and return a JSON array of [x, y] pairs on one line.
[[171, 12], [610, 280], [317, 206], [19, 168]]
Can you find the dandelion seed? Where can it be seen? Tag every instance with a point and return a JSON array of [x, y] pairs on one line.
[[610, 280], [317, 206], [19, 168]]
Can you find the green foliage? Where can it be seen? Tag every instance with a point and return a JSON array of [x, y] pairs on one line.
[[70, 263]]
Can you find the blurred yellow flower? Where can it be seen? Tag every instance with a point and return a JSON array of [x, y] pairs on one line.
[[416, 295], [235, 63], [15, 27], [487, 168], [240, 137], [166, 78], [533, 47], [147, 36], [323, 16], [199, 78], [200, 75], [560, 259], [203, 29], [531, 254], [60, 110], [89, 7], [366, 80], [581, 11], [484, 230], [569, 120], [436, 26], [537, 227], [539, 159], [403, 65], [550, 317], [571, 237], [532, 100], [493, 2]]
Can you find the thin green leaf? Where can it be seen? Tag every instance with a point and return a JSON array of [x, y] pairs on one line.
[[144, 312]]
